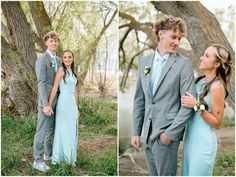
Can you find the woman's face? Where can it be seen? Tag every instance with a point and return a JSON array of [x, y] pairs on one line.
[[67, 59], [208, 60]]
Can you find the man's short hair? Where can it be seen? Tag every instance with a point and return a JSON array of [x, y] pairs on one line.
[[51, 34], [169, 22]]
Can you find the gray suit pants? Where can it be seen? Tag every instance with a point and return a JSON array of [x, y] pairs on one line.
[[44, 135], [161, 159]]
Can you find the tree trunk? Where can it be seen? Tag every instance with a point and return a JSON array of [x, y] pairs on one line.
[[18, 64], [203, 29], [41, 20]]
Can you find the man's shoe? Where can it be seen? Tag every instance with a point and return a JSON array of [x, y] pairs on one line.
[[46, 157], [41, 166]]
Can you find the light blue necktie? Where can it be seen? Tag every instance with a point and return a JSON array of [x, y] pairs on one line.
[[157, 73], [55, 63]]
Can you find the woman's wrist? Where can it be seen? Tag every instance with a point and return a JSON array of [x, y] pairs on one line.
[[199, 108], [194, 103]]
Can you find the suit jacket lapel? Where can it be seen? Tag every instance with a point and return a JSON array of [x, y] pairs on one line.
[[148, 76], [48, 56], [50, 60], [166, 68]]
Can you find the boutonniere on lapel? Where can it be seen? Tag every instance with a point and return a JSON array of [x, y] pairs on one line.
[[147, 70], [52, 64]]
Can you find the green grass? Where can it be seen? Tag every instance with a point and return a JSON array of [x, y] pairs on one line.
[[97, 112], [62, 170], [111, 131], [228, 122], [98, 118], [104, 165], [225, 163]]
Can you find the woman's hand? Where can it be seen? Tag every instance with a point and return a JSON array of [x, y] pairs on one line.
[[188, 100], [47, 110]]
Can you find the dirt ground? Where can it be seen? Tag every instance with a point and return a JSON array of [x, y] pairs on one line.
[[132, 162], [98, 144]]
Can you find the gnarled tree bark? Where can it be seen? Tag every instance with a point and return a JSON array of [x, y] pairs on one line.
[[203, 29], [41, 21], [18, 63]]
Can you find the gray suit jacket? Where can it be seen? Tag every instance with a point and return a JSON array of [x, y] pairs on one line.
[[45, 73], [163, 109]]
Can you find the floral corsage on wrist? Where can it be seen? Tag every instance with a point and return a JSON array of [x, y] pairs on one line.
[[199, 108], [147, 70]]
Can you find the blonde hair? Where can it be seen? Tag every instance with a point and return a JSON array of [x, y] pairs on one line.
[[223, 72], [169, 22], [51, 34]]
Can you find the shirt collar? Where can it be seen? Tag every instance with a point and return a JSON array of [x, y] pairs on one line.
[[50, 54], [157, 55]]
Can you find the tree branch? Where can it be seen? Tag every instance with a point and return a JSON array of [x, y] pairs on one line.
[[126, 72], [121, 45], [147, 28]]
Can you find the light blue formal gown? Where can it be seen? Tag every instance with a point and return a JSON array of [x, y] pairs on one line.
[[200, 143], [66, 127]]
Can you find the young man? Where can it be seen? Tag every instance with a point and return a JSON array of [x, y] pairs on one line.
[[45, 67], [163, 78]]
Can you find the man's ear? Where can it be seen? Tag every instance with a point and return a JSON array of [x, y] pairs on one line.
[[160, 33]]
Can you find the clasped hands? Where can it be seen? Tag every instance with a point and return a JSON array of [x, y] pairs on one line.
[[47, 110]]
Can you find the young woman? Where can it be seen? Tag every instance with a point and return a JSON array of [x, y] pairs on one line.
[[65, 137], [200, 142]]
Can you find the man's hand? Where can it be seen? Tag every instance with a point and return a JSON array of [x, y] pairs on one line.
[[47, 110], [164, 139], [135, 141]]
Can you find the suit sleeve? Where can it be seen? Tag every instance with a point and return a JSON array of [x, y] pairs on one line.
[[187, 83], [138, 107], [41, 70]]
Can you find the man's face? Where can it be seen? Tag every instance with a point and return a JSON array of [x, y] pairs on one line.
[[52, 44], [169, 40]]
